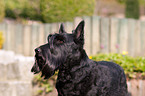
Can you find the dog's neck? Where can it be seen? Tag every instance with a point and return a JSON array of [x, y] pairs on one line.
[[69, 64], [69, 73]]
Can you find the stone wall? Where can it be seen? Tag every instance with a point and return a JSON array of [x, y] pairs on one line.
[[15, 75], [136, 87]]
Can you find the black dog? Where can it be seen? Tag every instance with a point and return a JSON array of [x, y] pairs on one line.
[[78, 75]]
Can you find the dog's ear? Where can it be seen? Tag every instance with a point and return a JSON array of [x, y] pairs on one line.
[[61, 29], [79, 32]]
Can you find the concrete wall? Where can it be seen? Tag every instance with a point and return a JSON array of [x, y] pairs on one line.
[[15, 75]]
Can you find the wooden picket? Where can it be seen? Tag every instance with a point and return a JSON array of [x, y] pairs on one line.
[[27, 40], [41, 35], [114, 29], [95, 35], [123, 35], [47, 31], [142, 34], [137, 39], [87, 34], [131, 37], [105, 35], [18, 38], [34, 38], [68, 27]]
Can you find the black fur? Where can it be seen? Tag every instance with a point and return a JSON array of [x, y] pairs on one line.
[[78, 75]]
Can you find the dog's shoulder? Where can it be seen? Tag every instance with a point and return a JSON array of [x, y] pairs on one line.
[[109, 65], [103, 64], [110, 70]]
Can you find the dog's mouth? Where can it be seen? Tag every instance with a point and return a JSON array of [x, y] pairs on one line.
[[35, 69], [43, 68], [46, 72], [38, 65]]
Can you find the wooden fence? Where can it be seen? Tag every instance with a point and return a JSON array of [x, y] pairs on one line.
[[105, 35]]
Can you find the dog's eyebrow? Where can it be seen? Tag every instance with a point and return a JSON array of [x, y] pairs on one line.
[[73, 31], [48, 38], [51, 40]]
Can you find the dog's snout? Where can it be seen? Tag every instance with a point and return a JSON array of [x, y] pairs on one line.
[[32, 69], [37, 50], [35, 69]]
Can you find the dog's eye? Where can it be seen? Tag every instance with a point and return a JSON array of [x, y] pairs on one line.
[[60, 41]]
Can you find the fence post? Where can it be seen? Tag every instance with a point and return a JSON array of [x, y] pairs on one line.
[[68, 27], [114, 25], [27, 40], [95, 35], [19, 38], [137, 39], [34, 38], [87, 34], [41, 36], [54, 28], [104, 36], [47, 31], [142, 34], [76, 21], [123, 35], [131, 37]]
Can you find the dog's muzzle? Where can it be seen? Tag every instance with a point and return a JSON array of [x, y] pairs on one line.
[[35, 69]]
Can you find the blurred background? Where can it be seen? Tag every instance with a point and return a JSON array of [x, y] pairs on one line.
[[114, 31]]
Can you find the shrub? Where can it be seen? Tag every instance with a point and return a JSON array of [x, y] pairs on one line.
[[2, 13], [13, 8], [48, 10], [31, 10], [65, 10], [44, 85], [28, 9], [132, 9]]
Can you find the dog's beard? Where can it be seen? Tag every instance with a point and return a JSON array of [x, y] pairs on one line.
[[47, 72], [35, 69], [44, 65]]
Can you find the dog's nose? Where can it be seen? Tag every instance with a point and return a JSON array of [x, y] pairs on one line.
[[37, 50]]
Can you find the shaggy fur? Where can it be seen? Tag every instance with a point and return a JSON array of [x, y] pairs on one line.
[[78, 75]]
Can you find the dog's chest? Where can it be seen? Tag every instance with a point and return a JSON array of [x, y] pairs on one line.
[[74, 83]]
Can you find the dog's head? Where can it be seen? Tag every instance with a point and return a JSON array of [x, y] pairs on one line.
[[50, 56]]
